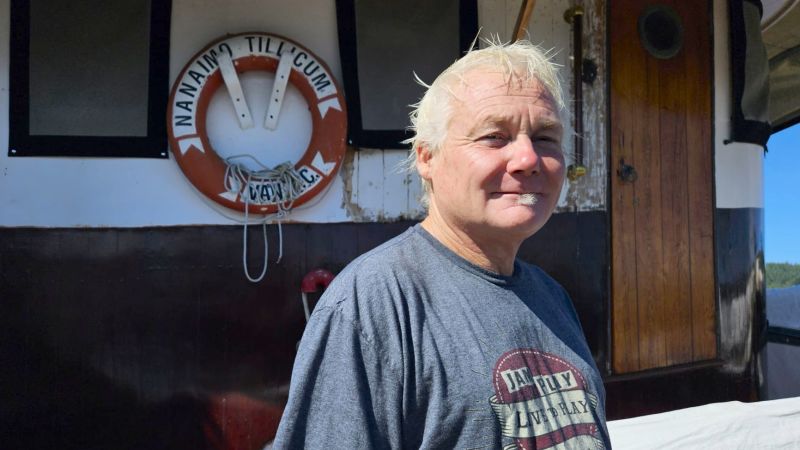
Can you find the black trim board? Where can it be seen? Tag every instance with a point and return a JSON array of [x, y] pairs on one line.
[[348, 51], [154, 145], [782, 335]]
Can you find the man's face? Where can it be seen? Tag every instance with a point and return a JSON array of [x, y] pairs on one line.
[[503, 142]]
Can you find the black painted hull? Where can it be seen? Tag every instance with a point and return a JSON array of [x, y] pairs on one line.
[[134, 338]]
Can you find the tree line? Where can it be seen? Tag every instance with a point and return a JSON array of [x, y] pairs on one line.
[[781, 275]]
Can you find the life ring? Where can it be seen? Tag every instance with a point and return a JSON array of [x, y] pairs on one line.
[[188, 107]]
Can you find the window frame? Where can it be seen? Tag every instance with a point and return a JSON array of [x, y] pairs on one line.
[[781, 335], [357, 136], [153, 145]]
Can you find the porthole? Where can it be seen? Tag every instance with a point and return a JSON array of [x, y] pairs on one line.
[[661, 31]]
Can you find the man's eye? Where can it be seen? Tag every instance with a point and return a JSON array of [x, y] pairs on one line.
[[496, 137], [546, 139]]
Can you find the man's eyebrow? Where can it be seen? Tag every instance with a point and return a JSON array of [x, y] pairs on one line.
[[549, 124], [495, 120], [491, 121]]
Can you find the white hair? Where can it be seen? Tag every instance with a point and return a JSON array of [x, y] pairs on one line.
[[430, 117]]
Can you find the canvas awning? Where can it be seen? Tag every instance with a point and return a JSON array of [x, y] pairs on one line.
[[780, 27]]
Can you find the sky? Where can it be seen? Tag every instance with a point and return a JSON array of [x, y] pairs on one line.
[[782, 197]]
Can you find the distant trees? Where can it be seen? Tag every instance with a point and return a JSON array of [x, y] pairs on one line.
[[782, 275]]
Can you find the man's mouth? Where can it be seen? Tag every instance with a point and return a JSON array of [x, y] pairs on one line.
[[527, 199], [522, 198]]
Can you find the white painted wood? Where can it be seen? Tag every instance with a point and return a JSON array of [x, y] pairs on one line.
[[356, 173], [231, 79], [395, 191], [588, 192], [278, 91], [739, 167], [415, 208], [740, 176], [370, 183]]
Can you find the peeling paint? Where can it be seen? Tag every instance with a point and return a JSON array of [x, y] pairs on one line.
[[588, 193], [377, 189], [346, 173]]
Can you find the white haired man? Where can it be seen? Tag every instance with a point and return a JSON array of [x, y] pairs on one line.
[[441, 337]]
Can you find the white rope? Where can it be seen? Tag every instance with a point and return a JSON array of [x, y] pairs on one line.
[[284, 179]]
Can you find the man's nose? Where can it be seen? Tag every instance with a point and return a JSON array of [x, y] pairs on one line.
[[524, 158]]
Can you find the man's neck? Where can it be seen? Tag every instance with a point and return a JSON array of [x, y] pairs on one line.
[[492, 255]]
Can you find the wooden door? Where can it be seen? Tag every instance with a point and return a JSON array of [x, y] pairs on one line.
[[663, 302]]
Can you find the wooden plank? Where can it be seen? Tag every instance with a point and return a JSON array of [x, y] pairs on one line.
[[677, 301], [625, 316], [649, 255], [370, 183], [415, 190], [395, 190], [700, 173]]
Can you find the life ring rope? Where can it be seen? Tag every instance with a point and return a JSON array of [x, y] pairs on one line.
[[238, 177], [283, 178]]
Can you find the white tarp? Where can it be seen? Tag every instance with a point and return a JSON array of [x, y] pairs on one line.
[[771, 424]]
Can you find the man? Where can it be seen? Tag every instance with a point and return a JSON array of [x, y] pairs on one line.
[[441, 338]]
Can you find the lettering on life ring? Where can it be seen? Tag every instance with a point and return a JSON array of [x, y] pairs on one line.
[[188, 107]]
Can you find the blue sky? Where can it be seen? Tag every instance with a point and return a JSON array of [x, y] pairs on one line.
[[782, 197]]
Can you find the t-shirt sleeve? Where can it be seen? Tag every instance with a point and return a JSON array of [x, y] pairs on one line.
[[343, 393]]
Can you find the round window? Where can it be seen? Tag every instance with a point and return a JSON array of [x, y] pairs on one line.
[[661, 31]]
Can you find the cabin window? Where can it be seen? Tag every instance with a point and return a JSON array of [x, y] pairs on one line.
[[89, 78], [661, 31], [382, 44]]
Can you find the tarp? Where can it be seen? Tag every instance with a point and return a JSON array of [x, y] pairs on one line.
[[731, 425], [780, 26], [749, 74]]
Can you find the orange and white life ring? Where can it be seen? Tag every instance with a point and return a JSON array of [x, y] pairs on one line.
[[203, 75]]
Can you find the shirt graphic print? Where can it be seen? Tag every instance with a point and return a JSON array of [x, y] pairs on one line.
[[542, 402]]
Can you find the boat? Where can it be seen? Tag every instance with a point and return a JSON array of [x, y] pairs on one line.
[[152, 277]]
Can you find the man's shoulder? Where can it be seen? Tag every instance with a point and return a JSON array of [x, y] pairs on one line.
[[395, 255], [378, 274]]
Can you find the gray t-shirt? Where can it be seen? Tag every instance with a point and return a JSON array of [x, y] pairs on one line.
[[412, 346]]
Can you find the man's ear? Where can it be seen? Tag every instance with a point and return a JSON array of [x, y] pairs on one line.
[[424, 160]]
